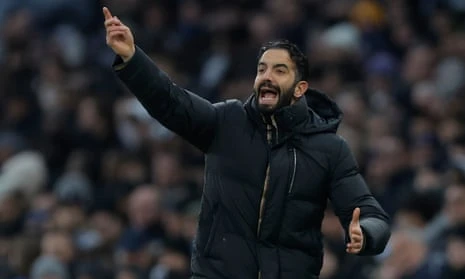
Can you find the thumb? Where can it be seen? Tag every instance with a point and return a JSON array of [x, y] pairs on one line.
[[107, 13], [356, 216]]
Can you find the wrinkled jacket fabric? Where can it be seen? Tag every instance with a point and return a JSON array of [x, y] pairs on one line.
[[267, 179]]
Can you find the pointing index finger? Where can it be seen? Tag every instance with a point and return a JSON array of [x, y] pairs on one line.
[[107, 13]]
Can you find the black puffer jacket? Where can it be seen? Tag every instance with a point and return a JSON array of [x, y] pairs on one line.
[[267, 181]]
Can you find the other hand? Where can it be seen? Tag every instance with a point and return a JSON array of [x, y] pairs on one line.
[[119, 36], [355, 233]]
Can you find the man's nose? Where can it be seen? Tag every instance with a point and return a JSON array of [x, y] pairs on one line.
[[267, 75]]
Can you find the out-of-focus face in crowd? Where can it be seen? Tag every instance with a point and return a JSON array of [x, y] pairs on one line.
[[455, 203], [144, 207]]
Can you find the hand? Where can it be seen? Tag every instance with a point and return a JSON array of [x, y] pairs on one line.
[[119, 36], [355, 234]]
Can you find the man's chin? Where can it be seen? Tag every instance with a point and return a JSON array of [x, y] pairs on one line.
[[267, 108]]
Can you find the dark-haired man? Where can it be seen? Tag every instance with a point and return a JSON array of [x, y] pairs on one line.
[[271, 165]]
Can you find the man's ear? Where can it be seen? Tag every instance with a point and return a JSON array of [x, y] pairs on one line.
[[300, 89]]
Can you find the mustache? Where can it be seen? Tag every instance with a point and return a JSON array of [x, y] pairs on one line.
[[269, 85]]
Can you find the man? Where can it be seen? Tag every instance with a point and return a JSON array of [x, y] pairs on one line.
[[271, 164]]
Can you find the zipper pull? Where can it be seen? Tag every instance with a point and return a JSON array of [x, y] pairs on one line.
[[294, 169]]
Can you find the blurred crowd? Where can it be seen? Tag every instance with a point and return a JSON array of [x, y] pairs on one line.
[[92, 187]]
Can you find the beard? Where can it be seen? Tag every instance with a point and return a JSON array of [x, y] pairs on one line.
[[284, 98]]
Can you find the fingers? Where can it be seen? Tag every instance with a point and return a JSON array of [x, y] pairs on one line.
[[120, 28], [356, 215], [356, 241], [115, 34], [106, 13], [354, 248], [355, 231], [355, 236], [112, 21], [116, 31]]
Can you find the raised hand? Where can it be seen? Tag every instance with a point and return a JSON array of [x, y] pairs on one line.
[[355, 233], [119, 36]]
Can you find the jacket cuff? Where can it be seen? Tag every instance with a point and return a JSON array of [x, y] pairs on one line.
[[142, 77], [376, 234], [364, 244], [127, 70]]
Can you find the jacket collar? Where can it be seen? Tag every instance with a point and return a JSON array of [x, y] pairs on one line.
[[312, 113]]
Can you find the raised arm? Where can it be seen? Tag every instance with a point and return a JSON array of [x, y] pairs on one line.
[[355, 205], [179, 110]]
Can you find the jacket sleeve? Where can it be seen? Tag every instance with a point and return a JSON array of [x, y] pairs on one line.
[[348, 190], [188, 115]]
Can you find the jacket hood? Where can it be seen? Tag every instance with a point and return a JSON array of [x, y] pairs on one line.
[[326, 115], [315, 112]]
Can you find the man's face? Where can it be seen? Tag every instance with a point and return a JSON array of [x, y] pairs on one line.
[[59, 245], [455, 203], [455, 252], [275, 82], [143, 207]]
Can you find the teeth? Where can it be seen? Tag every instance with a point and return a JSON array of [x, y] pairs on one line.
[[268, 96]]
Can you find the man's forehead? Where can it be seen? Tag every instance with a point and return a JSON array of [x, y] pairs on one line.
[[276, 56]]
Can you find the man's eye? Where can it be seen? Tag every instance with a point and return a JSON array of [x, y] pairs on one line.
[[280, 71], [261, 70]]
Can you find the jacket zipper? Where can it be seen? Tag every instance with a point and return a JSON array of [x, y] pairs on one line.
[[269, 137], [262, 199], [294, 169]]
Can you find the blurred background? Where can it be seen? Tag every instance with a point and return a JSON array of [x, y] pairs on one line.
[[92, 187]]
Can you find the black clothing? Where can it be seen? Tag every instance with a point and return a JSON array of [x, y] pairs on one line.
[[267, 179]]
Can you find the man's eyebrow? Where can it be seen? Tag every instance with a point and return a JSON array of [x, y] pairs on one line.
[[280, 65], [275, 65]]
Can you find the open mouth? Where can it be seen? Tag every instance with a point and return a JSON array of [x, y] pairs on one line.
[[268, 95]]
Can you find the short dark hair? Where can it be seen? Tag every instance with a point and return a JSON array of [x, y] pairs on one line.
[[297, 56]]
